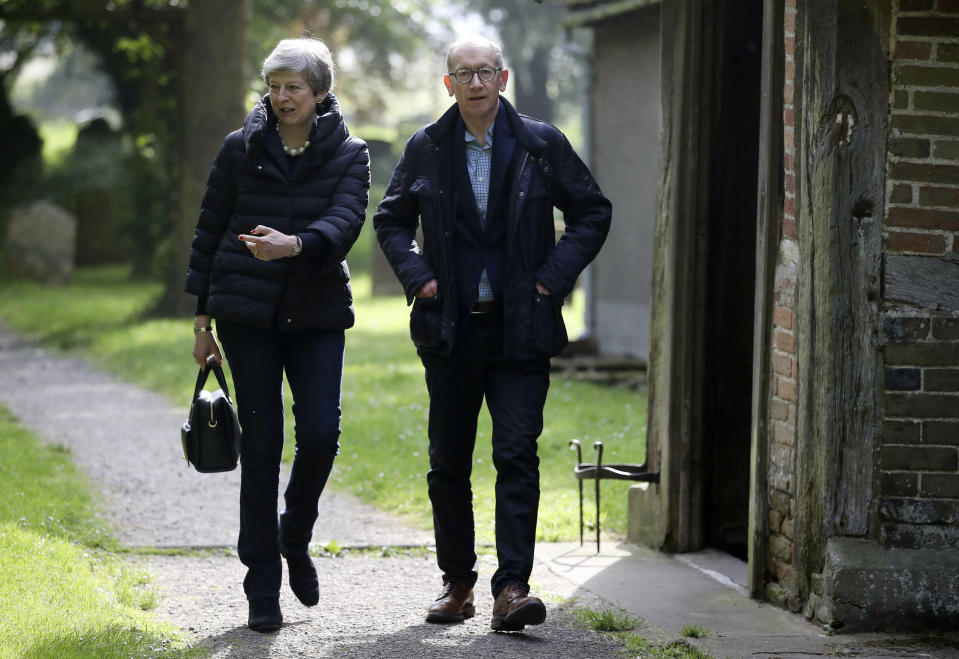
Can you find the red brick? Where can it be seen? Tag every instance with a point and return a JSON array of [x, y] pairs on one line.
[[789, 227], [913, 50], [945, 328], [922, 243], [789, 22], [940, 485], [901, 194], [909, 147], [947, 52], [778, 409], [909, 171], [895, 431], [899, 483], [789, 206], [788, 116], [923, 218], [915, 5], [782, 364], [927, 76], [918, 458], [947, 150], [924, 124], [784, 434], [788, 138], [941, 379], [940, 433], [928, 26], [905, 328], [789, 45], [783, 317], [929, 196], [927, 353], [936, 101], [784, 341], [922, 405], [788, 93], [785, 389], [948, 6]]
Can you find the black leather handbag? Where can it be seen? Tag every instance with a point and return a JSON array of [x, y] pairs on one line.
[[211, 434]]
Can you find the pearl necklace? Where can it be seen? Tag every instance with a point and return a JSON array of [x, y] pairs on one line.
[[288, 150]]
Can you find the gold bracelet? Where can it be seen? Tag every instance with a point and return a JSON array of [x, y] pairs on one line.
[[201, 330]]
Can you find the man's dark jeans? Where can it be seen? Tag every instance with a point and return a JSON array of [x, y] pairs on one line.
[[515, 392], [313, 361]]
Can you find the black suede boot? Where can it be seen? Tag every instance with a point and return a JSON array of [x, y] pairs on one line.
[[265, 614], [303, 580]]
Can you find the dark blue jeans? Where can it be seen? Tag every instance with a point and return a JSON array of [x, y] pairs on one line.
[[515, 392], [313, 362]]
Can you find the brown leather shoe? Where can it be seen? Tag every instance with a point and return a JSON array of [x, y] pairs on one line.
[[454, 604], [514, 609]]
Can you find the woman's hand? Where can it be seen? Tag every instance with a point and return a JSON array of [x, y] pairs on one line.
[[204, 343], [267, 244], [429, 289]]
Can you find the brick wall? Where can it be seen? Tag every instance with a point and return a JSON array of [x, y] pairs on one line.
[[918, 480], [781, 573]]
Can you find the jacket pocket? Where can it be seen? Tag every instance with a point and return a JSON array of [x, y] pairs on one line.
[[547, 326], [426, 322]]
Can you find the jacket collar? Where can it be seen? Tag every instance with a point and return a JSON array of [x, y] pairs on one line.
[[442, 128], [328, 131]]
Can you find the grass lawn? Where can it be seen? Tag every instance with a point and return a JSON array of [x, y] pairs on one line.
[[383, 456], [62, 593]]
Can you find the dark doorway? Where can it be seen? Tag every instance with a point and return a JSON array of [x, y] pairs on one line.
[[730, 284]]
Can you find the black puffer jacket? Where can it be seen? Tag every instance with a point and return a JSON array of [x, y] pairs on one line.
[[545, 173], [325, 195]]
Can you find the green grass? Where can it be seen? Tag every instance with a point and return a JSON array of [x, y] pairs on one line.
[[621, 625], [383, 454], [694, 631], [61, 593], [605, 620], [635, 645]]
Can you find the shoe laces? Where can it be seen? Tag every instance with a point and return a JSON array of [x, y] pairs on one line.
[[518, 590]]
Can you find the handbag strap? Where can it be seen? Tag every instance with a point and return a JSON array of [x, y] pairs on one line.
[[211, 365]]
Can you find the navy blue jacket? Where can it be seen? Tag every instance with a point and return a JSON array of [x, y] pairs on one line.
[[544, 173], [321, 195]]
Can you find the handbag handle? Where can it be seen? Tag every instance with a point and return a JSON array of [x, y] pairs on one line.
[[211, 365]]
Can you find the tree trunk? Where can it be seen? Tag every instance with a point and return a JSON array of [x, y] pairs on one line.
[[531, 96], [212, 86]]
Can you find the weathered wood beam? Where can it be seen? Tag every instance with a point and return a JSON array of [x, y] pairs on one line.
[[930, 282]]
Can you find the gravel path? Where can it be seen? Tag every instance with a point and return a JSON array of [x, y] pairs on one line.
[[127, 441]]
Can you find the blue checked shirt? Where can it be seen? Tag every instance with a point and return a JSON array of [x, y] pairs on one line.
[[479, 164]]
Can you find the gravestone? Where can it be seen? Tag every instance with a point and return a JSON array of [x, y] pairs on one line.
[[40, 243]]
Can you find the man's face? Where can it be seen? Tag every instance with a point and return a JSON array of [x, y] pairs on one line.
[[477, 100]]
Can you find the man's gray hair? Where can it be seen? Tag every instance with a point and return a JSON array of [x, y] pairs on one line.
[[474, 40], [305, 55]]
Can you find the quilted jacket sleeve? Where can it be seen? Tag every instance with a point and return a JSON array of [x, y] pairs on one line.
[[341, 223], [215, 211], [586, 212], [396, 221]]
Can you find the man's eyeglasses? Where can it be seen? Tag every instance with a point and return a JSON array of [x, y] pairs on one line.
[[465, 76]]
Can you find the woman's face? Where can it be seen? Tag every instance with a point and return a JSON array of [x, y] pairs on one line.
[[292, 99]]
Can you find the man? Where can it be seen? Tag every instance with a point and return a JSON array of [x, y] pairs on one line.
[[487, 287]]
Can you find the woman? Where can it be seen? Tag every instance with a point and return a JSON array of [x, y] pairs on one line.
[[284, 203]]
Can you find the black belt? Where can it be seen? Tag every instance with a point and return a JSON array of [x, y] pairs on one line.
[[480, 308]]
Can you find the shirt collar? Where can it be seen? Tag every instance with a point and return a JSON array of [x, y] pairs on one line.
[[489, 136]]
